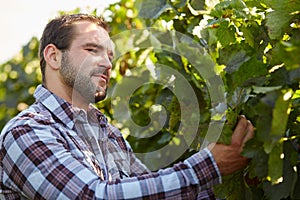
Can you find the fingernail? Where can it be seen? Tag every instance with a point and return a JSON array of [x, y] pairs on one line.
[[242, 116]]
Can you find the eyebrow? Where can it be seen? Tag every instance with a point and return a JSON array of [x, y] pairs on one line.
[[100, 47]]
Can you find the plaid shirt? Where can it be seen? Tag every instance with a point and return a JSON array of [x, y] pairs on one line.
[[53, 150]]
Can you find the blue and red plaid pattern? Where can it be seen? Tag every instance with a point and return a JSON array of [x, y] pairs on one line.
[[53, 150]]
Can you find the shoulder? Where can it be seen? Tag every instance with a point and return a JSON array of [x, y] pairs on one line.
[[35, 117]]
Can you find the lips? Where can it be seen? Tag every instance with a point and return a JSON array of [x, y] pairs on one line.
[[100, 73], [101, 76]]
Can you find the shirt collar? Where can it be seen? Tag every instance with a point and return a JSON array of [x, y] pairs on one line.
[[95, 114], [61, 109]]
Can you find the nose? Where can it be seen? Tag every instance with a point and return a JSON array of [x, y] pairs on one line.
[[105, 63]]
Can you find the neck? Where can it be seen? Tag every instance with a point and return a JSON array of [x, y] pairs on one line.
[[68, 94]]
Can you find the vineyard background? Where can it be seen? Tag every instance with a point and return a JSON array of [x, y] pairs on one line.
[[252, 45]]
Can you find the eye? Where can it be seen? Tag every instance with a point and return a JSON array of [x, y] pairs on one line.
[[93, 50], [110, 58]]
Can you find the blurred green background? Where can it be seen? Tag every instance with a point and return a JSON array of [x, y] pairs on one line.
[[252, 45]]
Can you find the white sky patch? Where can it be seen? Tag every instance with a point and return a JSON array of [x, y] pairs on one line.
[[21, 20]]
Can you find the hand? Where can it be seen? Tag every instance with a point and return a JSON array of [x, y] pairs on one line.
[[228, 157]]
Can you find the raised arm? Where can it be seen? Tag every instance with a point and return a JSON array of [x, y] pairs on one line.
[[39, 163]]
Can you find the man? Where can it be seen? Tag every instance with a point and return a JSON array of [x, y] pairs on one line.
[[62, 147]]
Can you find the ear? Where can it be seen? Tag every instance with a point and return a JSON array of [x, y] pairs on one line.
[[52, 56]]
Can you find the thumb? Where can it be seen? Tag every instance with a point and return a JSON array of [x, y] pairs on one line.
[[249, 132], [238, 135]]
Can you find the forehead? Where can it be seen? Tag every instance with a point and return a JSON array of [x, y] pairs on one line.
[[88, 32]]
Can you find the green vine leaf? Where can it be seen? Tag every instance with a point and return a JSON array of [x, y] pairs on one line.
[[226, 34], [280, 18], [152, 9]]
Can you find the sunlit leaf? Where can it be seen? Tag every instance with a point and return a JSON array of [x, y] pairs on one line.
[[264, 90], [280, 114], [197, 4], [251, 45], [226, 34], [275, 159], [152, 8]]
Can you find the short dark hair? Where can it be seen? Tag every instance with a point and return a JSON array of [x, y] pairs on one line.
[[60, 32]]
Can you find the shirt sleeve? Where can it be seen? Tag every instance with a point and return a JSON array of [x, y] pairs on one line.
[[37, 164], [139, 168]]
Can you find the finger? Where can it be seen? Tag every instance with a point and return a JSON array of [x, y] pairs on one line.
[[249, 132], [239, 132]]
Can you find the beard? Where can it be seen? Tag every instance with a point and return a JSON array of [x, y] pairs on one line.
[[80, 80]]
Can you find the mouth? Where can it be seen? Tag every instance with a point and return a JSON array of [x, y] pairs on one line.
[[102, 77]]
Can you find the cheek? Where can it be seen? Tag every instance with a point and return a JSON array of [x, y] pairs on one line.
[[84, 67]]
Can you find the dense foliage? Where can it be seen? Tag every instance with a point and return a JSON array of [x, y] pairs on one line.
[[185, 81]]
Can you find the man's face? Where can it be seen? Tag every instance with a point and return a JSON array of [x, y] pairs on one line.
[[86, 66]]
